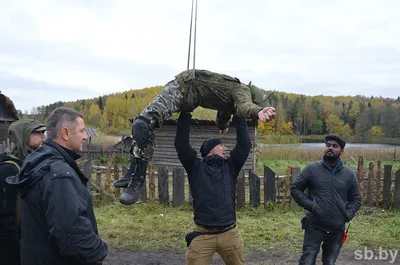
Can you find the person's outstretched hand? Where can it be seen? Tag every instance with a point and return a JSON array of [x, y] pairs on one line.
[[267, 114]]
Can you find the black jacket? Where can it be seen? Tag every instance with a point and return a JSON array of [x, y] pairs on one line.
[[58, 224], [8, 199], [212, 179], [333, 194]]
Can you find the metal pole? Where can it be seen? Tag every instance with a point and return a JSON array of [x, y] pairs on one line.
[[190, 36], [194, 44]]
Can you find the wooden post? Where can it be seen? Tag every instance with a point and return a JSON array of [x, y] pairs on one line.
[[152, 184], [108, 178], [360, 175], [178, 187], [98, 181], [87, 171], [8, 149], [254, 181], [378, 182], [269, 185], [163, 187], [397, 189], [117, 191], [295, 174], [286, 185], [241, 191], [387, 184], [370, 198], [143, 192]]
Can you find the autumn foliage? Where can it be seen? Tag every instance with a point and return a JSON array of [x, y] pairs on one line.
[[296, 114]]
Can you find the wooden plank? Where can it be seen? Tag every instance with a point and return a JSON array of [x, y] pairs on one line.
[[295, 174], [378, 182], [108, 179], [152, 183], [87, 171], [178, 191], [269, 185], [360, 175], [254, 181], [117, 191], [143, 191], [241, 191], [286, 185], [387, 184], [163, 185], [98, 180], [370, 198], [397, 189]]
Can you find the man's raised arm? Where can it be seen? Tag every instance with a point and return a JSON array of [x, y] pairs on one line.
[[186, 154], [243, 144]]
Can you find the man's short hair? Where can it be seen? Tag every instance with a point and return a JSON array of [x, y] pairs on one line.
[[336, 138], [61, 117]]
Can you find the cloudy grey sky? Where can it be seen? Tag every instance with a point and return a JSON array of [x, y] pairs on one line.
[[66, 50]]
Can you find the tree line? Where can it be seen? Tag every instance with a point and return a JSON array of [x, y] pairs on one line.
[[360, 116]]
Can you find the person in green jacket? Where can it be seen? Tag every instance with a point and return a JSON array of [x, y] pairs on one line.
[[189, 90], [26, 136]]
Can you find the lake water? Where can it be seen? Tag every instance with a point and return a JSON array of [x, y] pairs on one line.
[[322, 145]]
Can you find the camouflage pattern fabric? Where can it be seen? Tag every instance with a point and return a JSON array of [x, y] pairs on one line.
[[220, 92], [207, 89], [164, 105], [161, 108]]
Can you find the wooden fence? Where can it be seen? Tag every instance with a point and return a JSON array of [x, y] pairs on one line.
[[379, 187], [5, 146]]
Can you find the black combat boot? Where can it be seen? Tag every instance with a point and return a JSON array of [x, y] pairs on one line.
[[127, 179], [131, 194]]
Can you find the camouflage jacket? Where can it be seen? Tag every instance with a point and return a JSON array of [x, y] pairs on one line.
[[220, 92]]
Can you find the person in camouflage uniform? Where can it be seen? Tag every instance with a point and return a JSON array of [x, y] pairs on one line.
[[186, 92]]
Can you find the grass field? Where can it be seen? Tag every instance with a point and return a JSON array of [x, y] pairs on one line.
[[279, 158], [154, 227]]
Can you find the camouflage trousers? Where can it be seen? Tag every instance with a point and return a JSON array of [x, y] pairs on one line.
[[168, 102]]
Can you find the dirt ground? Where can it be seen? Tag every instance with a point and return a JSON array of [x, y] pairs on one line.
[[123, 257]]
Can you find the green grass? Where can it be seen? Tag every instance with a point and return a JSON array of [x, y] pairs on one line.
[[280, 166], [154, 227]]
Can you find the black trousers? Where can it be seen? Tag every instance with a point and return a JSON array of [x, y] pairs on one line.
[[313, 238]]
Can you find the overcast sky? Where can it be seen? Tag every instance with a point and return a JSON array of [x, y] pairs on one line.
[[66, 50]]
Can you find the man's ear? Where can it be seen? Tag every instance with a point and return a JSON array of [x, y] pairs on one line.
[[64, 133]]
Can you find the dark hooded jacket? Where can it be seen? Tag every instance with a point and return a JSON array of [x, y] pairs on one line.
[[10, 163], [220, 92], [333, 194], [9, 211], [19, 132], [213, 179], [58, 224]]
